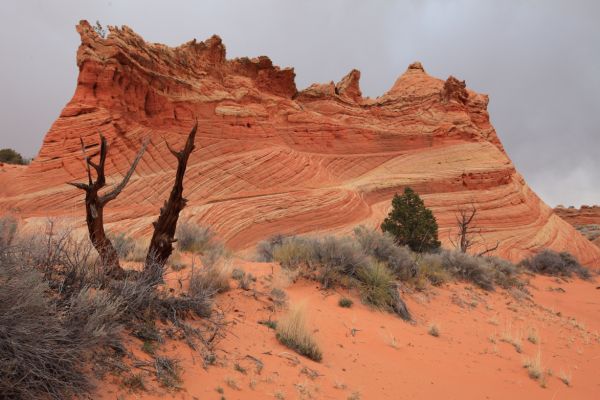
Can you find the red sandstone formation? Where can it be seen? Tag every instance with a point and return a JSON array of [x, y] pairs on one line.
[[272, 159], [585, 219]]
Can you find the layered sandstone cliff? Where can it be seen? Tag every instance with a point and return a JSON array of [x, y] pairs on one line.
[[585, 219], [273, 159]]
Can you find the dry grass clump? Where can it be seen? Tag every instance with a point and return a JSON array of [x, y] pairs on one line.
[[292, 332], [433, 330], [293, 252], [135, 382], [514, 339], [279, 297], [94, 316], [565, 377], [345, 302], [534, 366], [245, 280], [548, 262], [533, 336], [167, 372], [329, 260], [201, 240], [213, 279], [431, 269], [378, 288]]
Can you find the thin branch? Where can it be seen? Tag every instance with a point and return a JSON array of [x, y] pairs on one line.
[[177, 154], [87, 161], [117, 190], [81, 186], [489, 250]]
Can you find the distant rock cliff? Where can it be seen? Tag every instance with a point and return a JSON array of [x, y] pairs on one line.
[[585, 219], [273, 159]]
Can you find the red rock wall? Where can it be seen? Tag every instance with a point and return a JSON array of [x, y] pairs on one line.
[[585, 219], [272, 159]]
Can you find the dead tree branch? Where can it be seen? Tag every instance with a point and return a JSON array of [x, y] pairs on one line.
[[464, 218], [95, 203], [468, 234], [161, 245]]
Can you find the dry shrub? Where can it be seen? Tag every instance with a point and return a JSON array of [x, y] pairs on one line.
[[505, 273], [138, 294], [213, 279], [293, 252], [201, 240], [265, 248], [329, 260], [167, 372], [431, 269], [469, 268], [139, 251], [279, 297], [213, 254], [8, 231], [378, 288], [342, 261], [194, 238], [95, 317], [40, 357], [382, 247], [345, 302], [59, 312], [123, 244], [337, 258], [548, 262], [293, 332]]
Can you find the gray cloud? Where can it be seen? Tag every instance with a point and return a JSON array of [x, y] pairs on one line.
[[537, 59]]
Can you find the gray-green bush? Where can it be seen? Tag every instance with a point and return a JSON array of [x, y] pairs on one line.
[[548, 262], [382, 247], [57, 315], [194, 238]]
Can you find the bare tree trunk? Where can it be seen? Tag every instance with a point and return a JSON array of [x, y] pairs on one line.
[[465, 237], [464, 218], [94, 211], [161, 245], [94, 206]]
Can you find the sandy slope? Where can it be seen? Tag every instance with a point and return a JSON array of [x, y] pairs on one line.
[[379, 356]]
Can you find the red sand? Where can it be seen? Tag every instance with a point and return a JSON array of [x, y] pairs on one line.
[[387, 358]]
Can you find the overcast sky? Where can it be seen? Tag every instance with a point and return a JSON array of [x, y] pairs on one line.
[[539, 60]]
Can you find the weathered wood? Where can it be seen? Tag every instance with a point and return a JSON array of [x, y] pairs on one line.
[[94, 205], [161, 245]]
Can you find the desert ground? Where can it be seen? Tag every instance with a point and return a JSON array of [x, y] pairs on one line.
[[484, 340]]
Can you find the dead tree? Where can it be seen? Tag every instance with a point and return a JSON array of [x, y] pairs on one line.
[[464, 237], [469, 235], [95, 203], [161, 245]]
